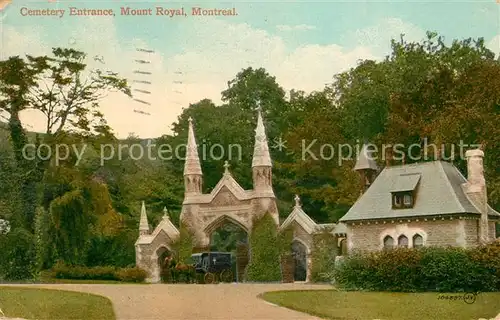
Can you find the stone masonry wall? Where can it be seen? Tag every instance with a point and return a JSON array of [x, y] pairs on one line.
[[455, 232], [492, 231]]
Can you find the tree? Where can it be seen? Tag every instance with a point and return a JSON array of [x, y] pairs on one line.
[[62, 89], [265, 251], [68, 94]]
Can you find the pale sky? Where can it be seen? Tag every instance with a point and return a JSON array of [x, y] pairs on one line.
[[302, 43]]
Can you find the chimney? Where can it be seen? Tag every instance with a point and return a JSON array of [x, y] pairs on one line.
[[476, 190]]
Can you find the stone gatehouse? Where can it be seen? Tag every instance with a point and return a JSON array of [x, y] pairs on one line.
[[420, 204], [228, 202]]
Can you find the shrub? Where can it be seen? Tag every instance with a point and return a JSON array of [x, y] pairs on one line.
[[265, 262], [488, 256], [63, 271], [323, 256], [424, 269], [17, 255], [131, 274]]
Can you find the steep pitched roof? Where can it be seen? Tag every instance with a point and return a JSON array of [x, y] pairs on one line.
[[298, 215], [440, 191], [165, 226], [227, 181]]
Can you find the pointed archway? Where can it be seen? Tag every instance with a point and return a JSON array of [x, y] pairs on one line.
[[228, 235]]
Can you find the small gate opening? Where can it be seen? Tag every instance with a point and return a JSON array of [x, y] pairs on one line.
[[299, 253]]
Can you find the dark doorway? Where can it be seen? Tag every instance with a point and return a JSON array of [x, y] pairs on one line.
[[230, 237], [165, 261], [299, 252]]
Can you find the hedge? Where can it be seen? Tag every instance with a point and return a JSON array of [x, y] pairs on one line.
[[265, 251], [62, 271], [436, 269]]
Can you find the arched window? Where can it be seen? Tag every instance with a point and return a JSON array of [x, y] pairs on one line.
[[343, 247], [388, 242], [403, 241], [418, 241]]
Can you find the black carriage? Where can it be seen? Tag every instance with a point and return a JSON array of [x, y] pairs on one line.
[[214, 266]]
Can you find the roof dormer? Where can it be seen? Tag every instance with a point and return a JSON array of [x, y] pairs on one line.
[[404, 190]]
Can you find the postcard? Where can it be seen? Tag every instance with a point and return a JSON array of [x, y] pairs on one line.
[[249, 159]]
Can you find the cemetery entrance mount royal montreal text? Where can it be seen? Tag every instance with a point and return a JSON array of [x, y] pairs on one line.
[[172, 12], [131, 11]]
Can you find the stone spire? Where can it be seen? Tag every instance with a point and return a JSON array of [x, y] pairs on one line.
[[192, 164], [261, 156], [192, 167], [261, 162], [143, 224]]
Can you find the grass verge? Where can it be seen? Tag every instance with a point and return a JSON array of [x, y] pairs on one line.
[[342, 305], [36, 303]]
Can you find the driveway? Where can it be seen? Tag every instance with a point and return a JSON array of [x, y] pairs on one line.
[[196, 302]]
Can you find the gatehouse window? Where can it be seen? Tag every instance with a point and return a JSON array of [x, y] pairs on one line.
[[418, 241], [403, 241], [388, 242], [343, 247], [402, 200]]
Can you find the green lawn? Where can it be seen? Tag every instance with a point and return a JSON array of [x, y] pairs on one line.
[[34, 303], [340, 305]]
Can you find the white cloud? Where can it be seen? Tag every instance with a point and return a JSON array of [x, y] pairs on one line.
[[378, 37], [298, 27], [494, 44], [214, 52]]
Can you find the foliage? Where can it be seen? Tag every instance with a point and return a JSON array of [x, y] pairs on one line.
[[264, 264], [489, 257], [285, 238], [118, 251], [131, 274], [63, 271], [323, 253], [17, 256], [71, 223], [227, 237], [43, 243], [424, 269], [183, 248]]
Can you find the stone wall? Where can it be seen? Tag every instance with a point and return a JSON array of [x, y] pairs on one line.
[[300, 234], [454, 232], [146, 256], [492, 231]]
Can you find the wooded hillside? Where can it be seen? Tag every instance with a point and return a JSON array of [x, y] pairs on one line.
[[88, 214]]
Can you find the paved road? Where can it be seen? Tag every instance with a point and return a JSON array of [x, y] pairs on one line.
[[196, 302]]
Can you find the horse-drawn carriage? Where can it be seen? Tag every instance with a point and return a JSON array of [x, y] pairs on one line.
[[214, 266]]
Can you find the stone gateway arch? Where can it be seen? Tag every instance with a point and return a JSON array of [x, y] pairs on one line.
[[203, 213]]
